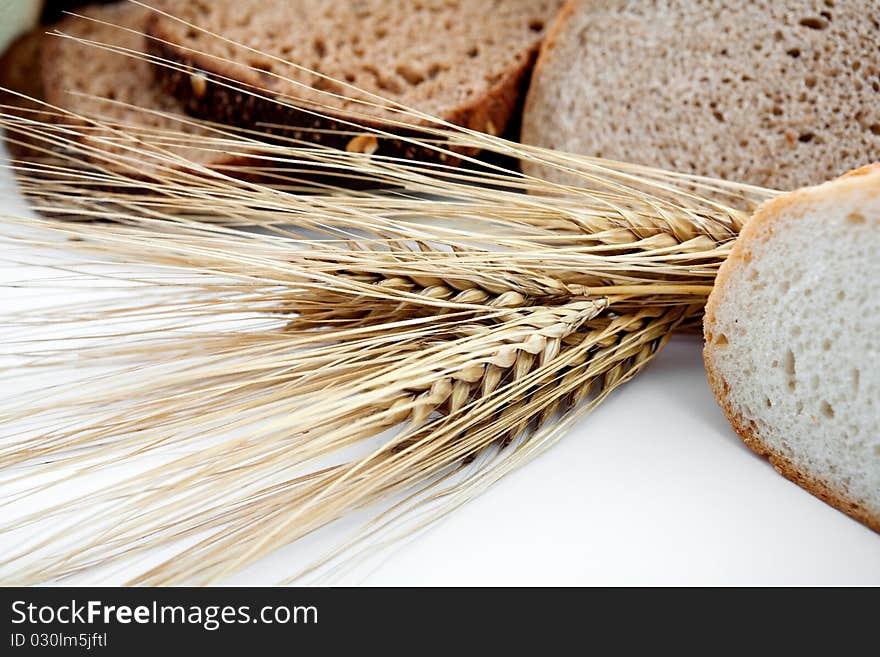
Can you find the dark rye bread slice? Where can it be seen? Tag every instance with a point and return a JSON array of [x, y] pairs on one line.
[[69, 67], [779, 93], [464, 61]]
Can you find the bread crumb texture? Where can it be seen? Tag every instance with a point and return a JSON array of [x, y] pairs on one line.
[[793, 339], [96, 82], [778, 93], [433, 55]]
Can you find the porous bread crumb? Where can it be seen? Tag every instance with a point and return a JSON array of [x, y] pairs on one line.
[[72, 71], [437, 56], [778, 93]]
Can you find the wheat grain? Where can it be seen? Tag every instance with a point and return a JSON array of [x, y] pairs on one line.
[[374, 339], [509, 346]]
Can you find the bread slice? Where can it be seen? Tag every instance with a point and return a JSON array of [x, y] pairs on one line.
[[20, 68], [778, 93], [70, 68], [464, 62], [20, 73], [792, 334]]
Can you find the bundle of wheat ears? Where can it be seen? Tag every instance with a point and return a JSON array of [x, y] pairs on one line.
[[271, 351]]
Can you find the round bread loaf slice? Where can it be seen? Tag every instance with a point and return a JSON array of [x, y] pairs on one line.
[[80, 79], [461, 61], [21, 95], [777, 93], [792, 334]]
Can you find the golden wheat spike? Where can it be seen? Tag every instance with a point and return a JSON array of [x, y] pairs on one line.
[[275, 351], [251, 376]]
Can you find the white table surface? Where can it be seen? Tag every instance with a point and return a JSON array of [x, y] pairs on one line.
[[654, 488]]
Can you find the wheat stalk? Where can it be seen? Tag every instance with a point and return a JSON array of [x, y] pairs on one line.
[[257, 378], [292, 350], [546, 370]]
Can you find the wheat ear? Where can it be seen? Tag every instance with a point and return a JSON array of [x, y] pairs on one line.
[[456, 309]]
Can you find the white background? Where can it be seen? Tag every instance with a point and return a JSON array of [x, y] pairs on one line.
[[653, 488]]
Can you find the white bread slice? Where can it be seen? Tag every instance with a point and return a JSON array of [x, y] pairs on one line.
[[793, 339]]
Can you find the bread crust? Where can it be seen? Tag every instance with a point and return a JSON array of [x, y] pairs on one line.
[[492, 112], [549, 43], [747, 430]]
